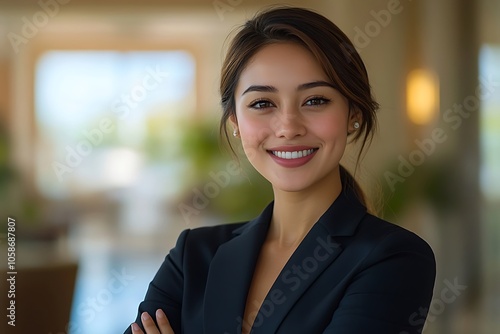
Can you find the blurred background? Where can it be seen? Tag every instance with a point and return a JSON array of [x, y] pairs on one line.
[[109, 147]]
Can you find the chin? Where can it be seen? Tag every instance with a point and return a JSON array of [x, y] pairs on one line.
[[291, 185]]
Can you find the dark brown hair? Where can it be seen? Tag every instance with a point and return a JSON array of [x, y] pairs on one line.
[[329, 45]]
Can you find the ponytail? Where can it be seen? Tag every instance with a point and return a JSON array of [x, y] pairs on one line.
[[350, 183]]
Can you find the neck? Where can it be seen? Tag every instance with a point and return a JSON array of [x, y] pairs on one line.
[[295, 213]]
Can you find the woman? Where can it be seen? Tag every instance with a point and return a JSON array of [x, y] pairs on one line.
[[294, 90]]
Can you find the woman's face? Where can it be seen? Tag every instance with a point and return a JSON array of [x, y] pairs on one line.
[[293, 124]]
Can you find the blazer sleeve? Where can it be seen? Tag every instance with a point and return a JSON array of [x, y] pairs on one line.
[[392, 293], [166, 289]]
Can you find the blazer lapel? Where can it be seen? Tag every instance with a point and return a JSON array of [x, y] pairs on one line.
[[230, 275], [232, 268], [317, 251]]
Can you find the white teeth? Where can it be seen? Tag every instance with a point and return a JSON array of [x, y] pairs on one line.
[[292, 155]]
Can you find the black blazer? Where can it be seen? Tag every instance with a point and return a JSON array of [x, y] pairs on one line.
[[352, 274]]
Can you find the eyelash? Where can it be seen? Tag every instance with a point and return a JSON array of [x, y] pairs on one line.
[[322, 100], [254, 104]]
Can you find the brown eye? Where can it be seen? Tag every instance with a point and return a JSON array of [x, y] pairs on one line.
[[316, 101], [261, 104]]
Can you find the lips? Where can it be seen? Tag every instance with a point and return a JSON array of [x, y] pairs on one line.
[[292, 156]]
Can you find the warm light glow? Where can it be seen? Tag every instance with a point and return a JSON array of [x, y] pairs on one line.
[[422, 96]]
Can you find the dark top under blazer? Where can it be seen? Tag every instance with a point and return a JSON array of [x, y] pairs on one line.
[[353, 273]]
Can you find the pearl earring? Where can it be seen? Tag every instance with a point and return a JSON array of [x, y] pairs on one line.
[[356, 125], [236, 132]]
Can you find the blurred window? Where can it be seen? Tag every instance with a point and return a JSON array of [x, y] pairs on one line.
[[102, 116]]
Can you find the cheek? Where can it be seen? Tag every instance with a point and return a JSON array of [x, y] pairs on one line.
[[331, 128], [252, 133], [253, 130]]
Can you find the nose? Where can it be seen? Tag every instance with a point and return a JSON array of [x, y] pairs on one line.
[[288, 125]]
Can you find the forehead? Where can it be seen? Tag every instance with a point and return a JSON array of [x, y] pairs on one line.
[[281, 65]]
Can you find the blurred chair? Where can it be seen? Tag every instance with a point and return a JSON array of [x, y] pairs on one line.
[[44, 296]]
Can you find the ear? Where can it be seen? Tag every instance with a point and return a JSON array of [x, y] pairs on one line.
[[234, 121], [354, 116]]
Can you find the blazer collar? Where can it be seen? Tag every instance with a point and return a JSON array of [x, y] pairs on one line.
[[232, 267], [340, 219]]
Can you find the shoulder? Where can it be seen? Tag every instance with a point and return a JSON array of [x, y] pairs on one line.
[[382, 238], [207, 239], [213, 234]]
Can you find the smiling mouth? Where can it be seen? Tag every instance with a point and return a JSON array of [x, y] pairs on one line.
[[289, 155]]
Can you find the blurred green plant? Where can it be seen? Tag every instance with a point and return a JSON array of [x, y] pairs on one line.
[[6, 172], [14, 200], [247, 192], [431, 183]]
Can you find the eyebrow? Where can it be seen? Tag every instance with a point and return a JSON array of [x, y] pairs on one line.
[[272, 89]]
